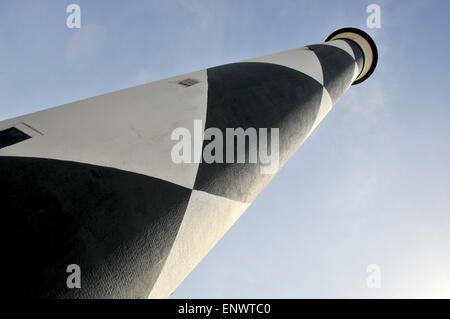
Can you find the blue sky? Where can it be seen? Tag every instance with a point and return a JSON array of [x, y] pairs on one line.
[[370, 185]]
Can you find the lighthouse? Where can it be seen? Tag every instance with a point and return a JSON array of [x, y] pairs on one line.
[[122, 195]]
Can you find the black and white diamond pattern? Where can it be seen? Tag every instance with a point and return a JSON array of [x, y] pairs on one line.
[[98, 187]]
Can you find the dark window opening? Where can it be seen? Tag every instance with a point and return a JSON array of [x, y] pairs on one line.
[[188, 82], [12, 136]]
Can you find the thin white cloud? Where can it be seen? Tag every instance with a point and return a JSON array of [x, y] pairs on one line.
[[85, 46]]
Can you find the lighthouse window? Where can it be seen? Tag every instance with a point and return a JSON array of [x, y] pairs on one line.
[[12, 136], [188, 82]]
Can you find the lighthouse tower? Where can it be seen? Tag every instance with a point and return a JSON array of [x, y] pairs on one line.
[[96, 206]]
